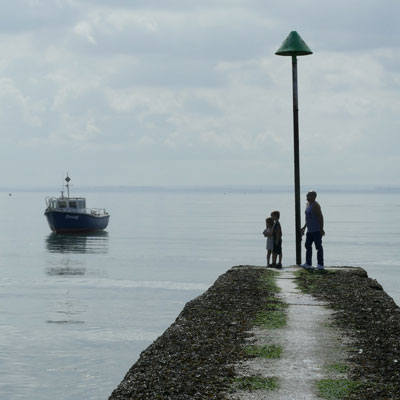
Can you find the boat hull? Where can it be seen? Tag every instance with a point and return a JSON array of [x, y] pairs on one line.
[[70, 222]]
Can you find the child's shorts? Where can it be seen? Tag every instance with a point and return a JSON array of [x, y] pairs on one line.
[[277, 247]]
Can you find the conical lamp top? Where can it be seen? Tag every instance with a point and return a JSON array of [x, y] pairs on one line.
[[294, 45]]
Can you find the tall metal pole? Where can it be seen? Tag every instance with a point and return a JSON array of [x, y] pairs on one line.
[[295, 46], [296, 160]]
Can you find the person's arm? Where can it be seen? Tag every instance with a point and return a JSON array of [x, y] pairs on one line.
[[267, 233], [318, 212]]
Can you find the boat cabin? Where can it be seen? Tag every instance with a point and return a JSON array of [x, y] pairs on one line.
[[70, 204]]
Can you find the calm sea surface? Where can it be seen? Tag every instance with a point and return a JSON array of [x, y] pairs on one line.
[[76, 311]]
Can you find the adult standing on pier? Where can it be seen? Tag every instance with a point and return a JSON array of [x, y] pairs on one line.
[[315, 231]]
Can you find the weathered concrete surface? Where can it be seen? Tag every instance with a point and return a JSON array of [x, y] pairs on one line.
[[310, 344]]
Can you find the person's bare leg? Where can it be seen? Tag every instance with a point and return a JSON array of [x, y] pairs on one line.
[[269, 252]]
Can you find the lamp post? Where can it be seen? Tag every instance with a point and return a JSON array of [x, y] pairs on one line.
[[295, 46]]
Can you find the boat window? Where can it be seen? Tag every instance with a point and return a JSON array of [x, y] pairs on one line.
[[81, 204], [72, 204], [62, 204]]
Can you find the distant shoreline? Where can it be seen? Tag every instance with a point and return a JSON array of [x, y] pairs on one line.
[[371, 189]]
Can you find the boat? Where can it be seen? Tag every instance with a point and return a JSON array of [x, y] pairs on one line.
[[67, 214]]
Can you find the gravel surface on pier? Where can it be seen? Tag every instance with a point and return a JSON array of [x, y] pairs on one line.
[[370, 316], [194, 358]]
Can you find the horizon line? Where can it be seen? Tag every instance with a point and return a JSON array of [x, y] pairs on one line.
[[347, 187]]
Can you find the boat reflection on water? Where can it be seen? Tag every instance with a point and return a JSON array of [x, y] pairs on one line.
[[67, 268], [88, 243], [67, 250]]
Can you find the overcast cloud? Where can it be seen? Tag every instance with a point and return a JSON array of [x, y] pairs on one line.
[[190, 92]]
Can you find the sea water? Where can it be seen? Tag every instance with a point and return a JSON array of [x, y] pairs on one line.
[[76, 311]]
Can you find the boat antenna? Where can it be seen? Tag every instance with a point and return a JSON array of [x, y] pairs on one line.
[[67, 179]]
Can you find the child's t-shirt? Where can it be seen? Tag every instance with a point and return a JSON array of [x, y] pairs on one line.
[[277, 230]]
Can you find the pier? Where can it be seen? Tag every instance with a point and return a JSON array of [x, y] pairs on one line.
[[259, 333]]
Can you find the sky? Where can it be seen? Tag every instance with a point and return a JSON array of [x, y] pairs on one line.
[[182, 92]]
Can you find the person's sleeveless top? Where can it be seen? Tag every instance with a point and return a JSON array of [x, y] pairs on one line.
[[312, 220]]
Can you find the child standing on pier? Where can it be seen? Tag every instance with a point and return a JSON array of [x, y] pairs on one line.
[[269, 222], [277, 240]]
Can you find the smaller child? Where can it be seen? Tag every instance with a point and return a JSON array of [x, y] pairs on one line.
[[277, 240], [269, 222]]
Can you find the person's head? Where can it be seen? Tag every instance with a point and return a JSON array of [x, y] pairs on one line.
[[311, 196], [275, 215], [269, 222]]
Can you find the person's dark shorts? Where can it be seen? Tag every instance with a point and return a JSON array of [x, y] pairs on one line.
[[277, 249]]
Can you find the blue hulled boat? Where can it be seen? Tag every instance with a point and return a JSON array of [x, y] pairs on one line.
[[70, 215]]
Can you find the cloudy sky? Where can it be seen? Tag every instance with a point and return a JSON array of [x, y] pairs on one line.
[[171, 92]]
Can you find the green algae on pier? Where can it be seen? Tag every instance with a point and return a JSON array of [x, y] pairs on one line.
[[273, 316], [334, 389], [267, 351]]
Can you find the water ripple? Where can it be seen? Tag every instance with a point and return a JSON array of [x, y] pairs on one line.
[[65, 322]]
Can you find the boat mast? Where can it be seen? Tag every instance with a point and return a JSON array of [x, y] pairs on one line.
[[67, 179]]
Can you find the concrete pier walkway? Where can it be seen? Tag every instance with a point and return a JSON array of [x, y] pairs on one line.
[[206, 352], [310, 346]]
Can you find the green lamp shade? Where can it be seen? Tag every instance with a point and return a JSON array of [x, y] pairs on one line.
[[294, 45]]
